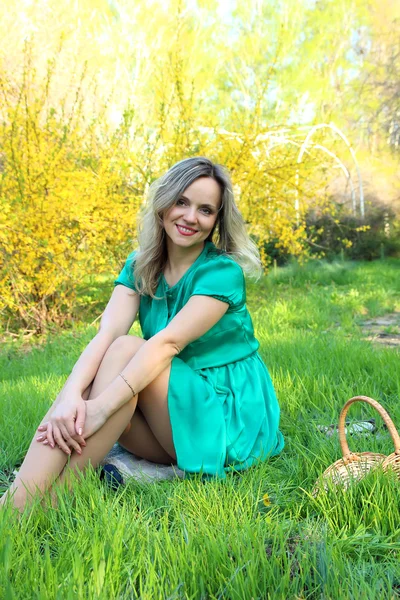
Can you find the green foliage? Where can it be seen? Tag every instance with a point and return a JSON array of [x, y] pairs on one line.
[[337, 234], [376, 236]]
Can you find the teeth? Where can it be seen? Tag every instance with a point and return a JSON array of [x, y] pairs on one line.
[[184, 229]]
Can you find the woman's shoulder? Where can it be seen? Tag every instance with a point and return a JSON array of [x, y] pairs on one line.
[[220, 276], [216, 258], [131, 256], [220, 268], [126, 275]]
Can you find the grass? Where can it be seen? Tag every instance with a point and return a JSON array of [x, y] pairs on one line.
[[188, 539]]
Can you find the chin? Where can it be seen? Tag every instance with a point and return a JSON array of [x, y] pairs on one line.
[[188, 242]]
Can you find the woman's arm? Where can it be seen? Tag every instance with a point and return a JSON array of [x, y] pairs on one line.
[[87, 365], [149, 361], [116, 320], [68, 418], [198, 315]]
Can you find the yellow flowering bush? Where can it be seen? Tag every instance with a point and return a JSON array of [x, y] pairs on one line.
[[66, 210], [71, 188]]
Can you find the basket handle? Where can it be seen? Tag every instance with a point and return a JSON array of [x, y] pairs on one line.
[[348, 456]]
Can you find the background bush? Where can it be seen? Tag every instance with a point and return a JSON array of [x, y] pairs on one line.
[[71, 188], [94, 105], [375, 236], [65, 205]]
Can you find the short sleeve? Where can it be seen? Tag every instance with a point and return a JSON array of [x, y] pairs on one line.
[[126, 276], [222, 279]]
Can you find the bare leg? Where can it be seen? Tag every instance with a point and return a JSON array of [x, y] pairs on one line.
[[43, 464], [141, 438]]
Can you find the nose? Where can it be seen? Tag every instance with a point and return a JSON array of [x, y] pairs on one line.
[[190, 215]]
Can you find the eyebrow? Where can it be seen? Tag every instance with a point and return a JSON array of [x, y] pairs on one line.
[[207, 205]]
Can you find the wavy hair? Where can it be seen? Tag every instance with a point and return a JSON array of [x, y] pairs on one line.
[[229, 233]]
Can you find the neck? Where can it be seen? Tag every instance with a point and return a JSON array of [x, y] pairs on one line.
[[179, 259]]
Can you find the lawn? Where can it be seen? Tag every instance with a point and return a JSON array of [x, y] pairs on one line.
[[188, 539]]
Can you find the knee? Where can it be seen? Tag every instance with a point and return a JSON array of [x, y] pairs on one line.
[[125, 345]]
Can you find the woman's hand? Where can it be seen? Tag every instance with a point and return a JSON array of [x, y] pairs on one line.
[[65, 426], [69, 418], [95, 417]]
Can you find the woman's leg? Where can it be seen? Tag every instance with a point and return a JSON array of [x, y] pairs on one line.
[[43, 465], [139, 439], [136, 435]]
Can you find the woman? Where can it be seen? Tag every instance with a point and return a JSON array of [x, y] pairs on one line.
[[194, 391]]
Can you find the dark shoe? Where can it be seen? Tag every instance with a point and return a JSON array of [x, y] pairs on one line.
[[111, 475]]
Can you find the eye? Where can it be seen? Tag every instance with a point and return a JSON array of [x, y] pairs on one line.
[[182, 201]]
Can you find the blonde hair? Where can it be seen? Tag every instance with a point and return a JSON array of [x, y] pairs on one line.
[[229, 232]]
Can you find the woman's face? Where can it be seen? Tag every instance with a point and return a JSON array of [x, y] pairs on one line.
[[190, 220]]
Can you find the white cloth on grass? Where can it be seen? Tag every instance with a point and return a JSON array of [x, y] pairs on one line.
[[140, 469]]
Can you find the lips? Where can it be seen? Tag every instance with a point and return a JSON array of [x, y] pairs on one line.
[[186, 227], [187, 231]]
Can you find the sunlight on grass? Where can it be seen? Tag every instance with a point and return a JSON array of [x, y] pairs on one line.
[[259, 534]]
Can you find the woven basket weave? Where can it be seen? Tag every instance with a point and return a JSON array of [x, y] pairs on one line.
[[354, 466]]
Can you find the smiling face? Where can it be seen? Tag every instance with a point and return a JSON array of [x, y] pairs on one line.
[[190, 220]]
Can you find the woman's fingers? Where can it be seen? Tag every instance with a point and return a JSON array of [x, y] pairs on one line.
[[71, 443], [70, 427], [80, 419], [60, 440], [42, 427], [49, 435]]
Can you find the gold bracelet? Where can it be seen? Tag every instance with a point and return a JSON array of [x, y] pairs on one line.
[[127, 382]]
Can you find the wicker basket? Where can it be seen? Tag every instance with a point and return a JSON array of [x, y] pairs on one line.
[[393, 461], [354, 466]]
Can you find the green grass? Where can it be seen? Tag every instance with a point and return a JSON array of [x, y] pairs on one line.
[[188, 539]]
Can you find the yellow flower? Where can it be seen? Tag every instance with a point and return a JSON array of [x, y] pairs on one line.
[[266, 500]]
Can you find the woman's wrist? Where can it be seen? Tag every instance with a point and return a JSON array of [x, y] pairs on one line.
[[73, 388], [114, 396], [101, 407]]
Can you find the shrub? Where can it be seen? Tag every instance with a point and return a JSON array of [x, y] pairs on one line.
[[65, 204], [375, 236]]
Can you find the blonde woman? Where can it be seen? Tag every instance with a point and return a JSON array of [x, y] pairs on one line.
[[194, 390]]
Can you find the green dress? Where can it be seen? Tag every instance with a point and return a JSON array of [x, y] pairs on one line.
[[222, 405]]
